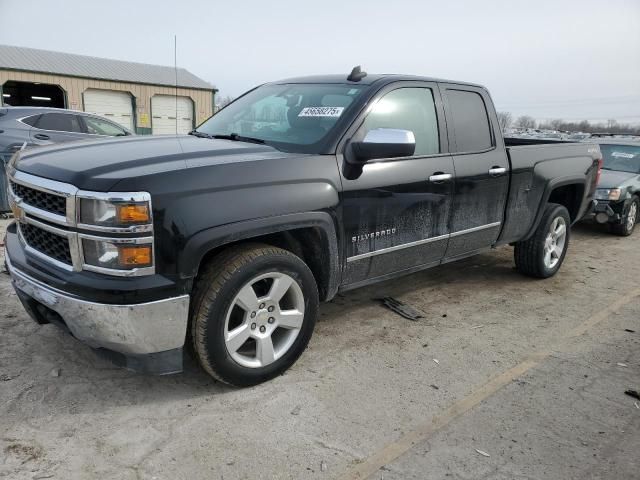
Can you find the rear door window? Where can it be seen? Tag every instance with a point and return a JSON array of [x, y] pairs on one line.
[[471, 127], [59, 122]]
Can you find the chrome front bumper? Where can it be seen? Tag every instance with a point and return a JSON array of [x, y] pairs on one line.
[[132, 330]]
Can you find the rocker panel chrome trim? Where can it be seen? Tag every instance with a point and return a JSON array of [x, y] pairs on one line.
[[421, 242]]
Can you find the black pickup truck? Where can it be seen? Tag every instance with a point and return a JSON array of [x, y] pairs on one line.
[[228, 238]]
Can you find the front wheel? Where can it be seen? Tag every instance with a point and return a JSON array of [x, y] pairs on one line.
[[629, 219], [254, 311], [542, 255]]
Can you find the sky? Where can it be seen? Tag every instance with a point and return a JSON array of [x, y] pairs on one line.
[[549, 59]]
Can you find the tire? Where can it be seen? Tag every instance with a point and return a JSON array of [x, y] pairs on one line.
[[224, 312], [629, 219], [537, 257]]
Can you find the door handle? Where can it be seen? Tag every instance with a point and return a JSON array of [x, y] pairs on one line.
[[497, 171], [41, 136], [440, 177]]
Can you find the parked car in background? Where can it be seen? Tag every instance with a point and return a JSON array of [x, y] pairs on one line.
[[578, 136], [618, 193], [554, 136], [45, 126], [34, 126]]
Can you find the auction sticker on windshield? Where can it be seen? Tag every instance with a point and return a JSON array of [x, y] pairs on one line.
[[321, 112], [622, 154]]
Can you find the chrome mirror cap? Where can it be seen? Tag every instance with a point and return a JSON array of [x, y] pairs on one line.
[[390, 135]]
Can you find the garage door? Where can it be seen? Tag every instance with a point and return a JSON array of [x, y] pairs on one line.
[[116, 106], [164, 118]]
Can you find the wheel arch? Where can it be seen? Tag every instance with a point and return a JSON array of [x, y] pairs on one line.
[[311, 236], [567, 191]]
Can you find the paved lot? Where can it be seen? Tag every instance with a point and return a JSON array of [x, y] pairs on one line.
[[528, 373]]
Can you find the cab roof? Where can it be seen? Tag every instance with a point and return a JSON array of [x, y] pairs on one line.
[[370, 79]]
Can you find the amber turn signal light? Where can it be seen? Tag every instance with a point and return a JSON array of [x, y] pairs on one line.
[[135, 256], [133, 213]]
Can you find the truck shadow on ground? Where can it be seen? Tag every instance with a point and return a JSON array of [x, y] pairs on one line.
[[590, 229]]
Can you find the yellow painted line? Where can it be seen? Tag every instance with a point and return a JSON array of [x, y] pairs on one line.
[[393, 450]]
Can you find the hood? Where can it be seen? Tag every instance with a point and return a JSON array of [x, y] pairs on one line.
[[99, 165], [614, 178]]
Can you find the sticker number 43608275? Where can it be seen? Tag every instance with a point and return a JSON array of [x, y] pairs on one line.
[[321, 112]]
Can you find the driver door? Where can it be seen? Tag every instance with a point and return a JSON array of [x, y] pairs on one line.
[[396, 212]]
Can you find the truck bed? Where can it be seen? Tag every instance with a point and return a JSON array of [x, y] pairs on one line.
[[517, 141], [535, 161]]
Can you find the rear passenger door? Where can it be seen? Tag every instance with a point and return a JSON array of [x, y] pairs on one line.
[[56, 127], [481, 169]]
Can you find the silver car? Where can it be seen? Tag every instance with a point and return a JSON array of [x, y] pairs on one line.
[[44, 126], [33, 126]]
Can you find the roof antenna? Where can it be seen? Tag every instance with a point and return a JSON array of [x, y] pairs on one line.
[[175, 67], [356, 74]]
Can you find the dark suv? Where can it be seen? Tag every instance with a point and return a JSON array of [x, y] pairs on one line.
[[44, 126], [618, 193]]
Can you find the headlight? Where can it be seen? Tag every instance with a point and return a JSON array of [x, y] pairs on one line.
[[116, 220], [608, 194], [118, 214], [118, 254]]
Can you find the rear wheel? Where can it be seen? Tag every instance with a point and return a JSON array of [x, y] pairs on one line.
[[254, 311], [542, 255], [629, 219]]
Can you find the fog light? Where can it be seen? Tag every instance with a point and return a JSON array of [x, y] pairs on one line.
[[602, 217]]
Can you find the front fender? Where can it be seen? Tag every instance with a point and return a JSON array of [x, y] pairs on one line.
[[203, 242]]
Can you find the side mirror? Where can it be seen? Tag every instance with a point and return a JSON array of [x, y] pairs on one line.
[[378, 143], [384, 143]]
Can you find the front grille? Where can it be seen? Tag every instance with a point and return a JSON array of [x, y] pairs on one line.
[[39, 199], [50, 244]]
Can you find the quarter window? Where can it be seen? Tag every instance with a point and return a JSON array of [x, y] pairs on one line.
[[408, 109], [31, 121], [97, 126], [60, 122], [470, 121]]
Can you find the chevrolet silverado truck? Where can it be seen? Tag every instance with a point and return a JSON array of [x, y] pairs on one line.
[[227, 239]]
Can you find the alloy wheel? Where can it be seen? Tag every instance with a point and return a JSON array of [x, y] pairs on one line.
[[632, 216], [555, 242], [264, 319]]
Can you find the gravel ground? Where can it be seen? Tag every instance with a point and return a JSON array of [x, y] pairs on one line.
[[531, 373]]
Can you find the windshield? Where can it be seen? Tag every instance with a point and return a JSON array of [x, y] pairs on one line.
[[294, 117], [623, 158]]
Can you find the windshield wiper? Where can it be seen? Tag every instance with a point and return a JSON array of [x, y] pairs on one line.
[[196, 133], [231, 136], [239, 138]]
